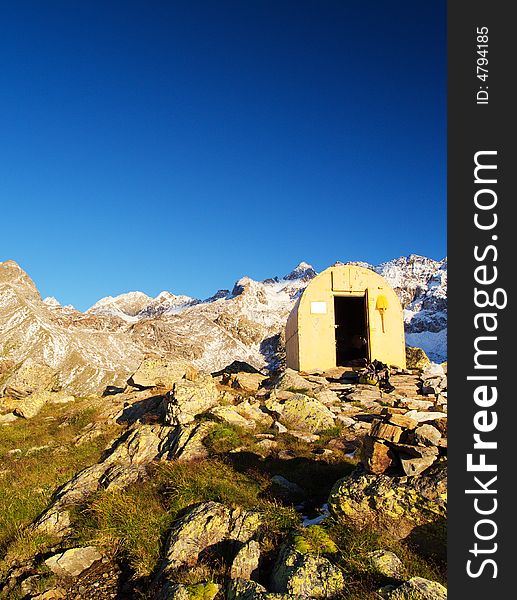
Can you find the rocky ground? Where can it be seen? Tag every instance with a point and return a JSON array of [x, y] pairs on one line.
[[182, 484]]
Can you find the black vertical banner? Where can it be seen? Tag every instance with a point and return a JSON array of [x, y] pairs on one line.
[[482, 239]]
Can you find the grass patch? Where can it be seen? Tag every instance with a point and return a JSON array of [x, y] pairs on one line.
[[130, 523], [223, 439], [329, 434], [45, 458], [133, 524], [186, 484], [361, 580]]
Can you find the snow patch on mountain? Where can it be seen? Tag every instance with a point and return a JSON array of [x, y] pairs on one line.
[[434, 343], [421, 284]]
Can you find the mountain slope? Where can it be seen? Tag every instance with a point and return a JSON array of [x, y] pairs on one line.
[[103, 346]]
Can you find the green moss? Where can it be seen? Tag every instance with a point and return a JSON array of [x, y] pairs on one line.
[[222, 439], [203, 591], [314, 540], [296, 390]]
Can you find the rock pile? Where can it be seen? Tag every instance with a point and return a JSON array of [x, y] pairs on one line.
[[397, 440]]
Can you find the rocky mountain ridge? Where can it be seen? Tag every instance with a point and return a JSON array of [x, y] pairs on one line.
[[86, 352], [420, 283]]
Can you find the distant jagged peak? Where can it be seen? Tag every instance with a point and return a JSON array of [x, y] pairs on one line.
[[166, 297], [219, 295], [245, 284], [54, 304], [166, 303], [303, 271], [130, 304], [51, 301], [414, 262], [125, 297]]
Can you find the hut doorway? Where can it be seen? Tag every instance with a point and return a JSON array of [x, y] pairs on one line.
[[351, 329]]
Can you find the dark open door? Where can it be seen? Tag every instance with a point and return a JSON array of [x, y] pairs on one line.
[[351, 326]]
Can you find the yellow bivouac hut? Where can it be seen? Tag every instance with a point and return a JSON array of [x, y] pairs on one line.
[[346, 314]]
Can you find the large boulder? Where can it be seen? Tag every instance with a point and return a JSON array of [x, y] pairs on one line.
[[187, 399], [158, 372], [187, 442], [405, 507], [307, 575], [229, 414], [122, 465], [251, 410], [291, 380], [376, 456], [415, 459], [246, 561], [30, 406], [302, 413], [204, 526], [29, 378], [247, 382]]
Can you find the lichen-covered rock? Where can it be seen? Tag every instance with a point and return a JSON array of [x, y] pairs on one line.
[[29, 378], [417, 588], [402, 506], [73, 562], [416, 358], [30, 406], [187, 442], [229, 414], [158, 372], [386, 563], [291, 380], [190, 398], [8, 418], [308, 575], [302, 413], [252, 411], [177, 591], [246, 561], [326, 396], [122, 465], [206, 525], [242, 589]]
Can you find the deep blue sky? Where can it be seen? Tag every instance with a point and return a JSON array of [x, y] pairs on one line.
[[182, 144]]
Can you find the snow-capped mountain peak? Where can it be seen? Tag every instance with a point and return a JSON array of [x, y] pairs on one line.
[[304, 271]]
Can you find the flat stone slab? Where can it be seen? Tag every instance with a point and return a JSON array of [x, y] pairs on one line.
[[424, 417], [73, 562]]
